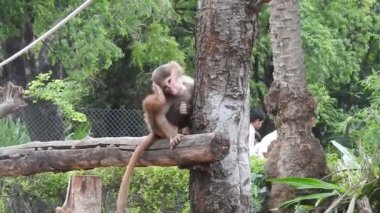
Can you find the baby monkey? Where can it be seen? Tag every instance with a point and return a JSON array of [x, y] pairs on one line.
[[167, 114]]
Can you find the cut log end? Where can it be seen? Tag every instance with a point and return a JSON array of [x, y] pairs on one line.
[[220, 147]]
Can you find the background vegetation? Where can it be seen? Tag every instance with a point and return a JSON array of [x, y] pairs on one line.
[[102, 58]]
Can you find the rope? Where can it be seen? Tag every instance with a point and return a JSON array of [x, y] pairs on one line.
[[48, 33]]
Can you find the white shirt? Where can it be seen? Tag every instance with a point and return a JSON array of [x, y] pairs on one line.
[[262, 148], [251, 140]]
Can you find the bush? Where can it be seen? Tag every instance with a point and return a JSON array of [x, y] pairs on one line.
[[152, 189], [12, 133], [258, 180]]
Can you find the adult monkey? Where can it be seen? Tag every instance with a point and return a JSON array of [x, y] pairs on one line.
[[167, 111]]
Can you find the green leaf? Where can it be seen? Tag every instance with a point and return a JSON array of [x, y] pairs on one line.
[[306, 183], [319, 196], [349, 159]]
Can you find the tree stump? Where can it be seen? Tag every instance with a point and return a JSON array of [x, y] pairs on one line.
[[84, 195]]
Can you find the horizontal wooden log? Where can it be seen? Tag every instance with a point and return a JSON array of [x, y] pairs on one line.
[[61, 156]]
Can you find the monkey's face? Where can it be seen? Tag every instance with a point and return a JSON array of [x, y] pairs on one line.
[[172, 86]]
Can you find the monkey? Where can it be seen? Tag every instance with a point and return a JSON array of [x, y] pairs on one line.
[[178, 89], [167, 114]]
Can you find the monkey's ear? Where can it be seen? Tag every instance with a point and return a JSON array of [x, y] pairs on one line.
[[154, 87], [173, 63], [175, 66]]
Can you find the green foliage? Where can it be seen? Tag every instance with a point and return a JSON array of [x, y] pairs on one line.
[[107, 51], [153, 189], [330, 116], [364, 123], [258, 180], [341, 43], [335, 38], [337, 47], [158, 47], [60, 92], [261, 53], [45, 188], [11, 16], [306, 183], [159, 189], [78, 131], [183, 30], [12, 133], [89, 44], [127, 38], [355, 177], [368, 119]]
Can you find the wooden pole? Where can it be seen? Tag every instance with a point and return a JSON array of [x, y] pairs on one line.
[[84, 195]]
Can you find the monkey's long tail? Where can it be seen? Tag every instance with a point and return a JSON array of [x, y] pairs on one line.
[[126, 181]]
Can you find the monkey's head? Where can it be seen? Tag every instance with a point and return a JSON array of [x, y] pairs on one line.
[[169, 78]]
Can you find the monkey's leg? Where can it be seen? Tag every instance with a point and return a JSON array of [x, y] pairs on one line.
[[169, 130]]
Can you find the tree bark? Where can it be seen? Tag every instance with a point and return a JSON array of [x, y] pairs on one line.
[[296, 152], [61, 156], [224, 39], [84, 195]]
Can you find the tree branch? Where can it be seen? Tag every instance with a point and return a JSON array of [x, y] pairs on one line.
[[61, 156], [13, 99]]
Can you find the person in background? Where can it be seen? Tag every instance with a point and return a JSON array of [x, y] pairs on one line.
[[261, 149], [256, 119]]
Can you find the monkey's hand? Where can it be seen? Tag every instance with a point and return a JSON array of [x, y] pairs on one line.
[[183, 108], [174, 140], [157, 90], [185, 131], [155, 101]]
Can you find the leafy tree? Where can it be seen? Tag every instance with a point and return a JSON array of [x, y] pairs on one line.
[[341, 40]]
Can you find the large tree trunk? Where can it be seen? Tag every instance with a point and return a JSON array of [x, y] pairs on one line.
[[225, 35], [296, 152]]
